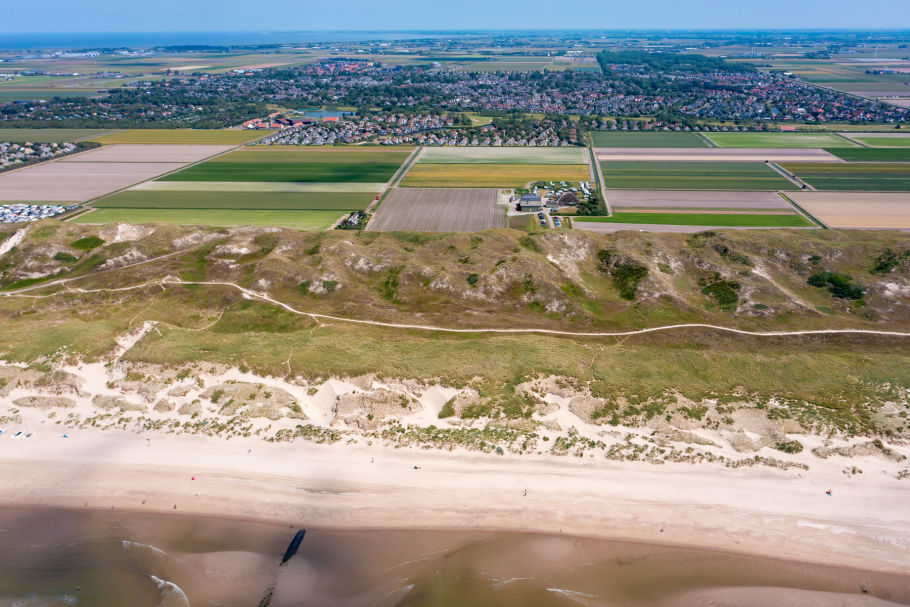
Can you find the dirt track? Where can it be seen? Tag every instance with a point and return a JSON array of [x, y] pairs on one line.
[[439, 210]]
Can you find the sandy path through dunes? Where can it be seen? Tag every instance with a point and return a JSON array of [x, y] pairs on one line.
[[760, 510]]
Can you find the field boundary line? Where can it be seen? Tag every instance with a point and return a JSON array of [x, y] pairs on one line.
[[806, 213], [377, 323], [405, 167], [598, 174], [851, 140], [792, 179], [101, 135], [706, 140]]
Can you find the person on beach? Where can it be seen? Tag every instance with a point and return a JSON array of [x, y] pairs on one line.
[[828, 493]]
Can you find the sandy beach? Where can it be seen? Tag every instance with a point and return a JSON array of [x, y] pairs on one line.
[[352, 485]]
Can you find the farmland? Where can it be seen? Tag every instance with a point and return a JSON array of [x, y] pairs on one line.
[[77, 181], [775, 220], [693, 176], [779, 140], [490, 175], [439, 210], [863, 177], [180, 137], [872, 154], [293, 166], [242, 186], [891, 142], [498, 155], [714, 155], [298, 220], [274, 201], [843, 210], [47, 135], [149, 153], [635, 199], [627, 139]]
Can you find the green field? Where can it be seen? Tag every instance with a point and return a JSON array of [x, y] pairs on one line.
[[271, 201], [693, 176], [779, 140], [886, 142], [48, 135], [633, 139], [275, 155], [705, 219], [287, 172], [871, 154], [866, 177], [498, 155], [298, 220], [9, 95], [182, 136]]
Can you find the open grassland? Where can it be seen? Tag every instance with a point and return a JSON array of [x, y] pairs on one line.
[[274, 201], [490, 175], [693, 176], [8, 95], [632, 139], [779, 140], [326, 155], [77, 181], [776, 220], [497, 155], [439, 210], [890, 142], [48, 135], [872, 154], [863, 177], [868, 210], [297, 220], [181, 136], [288, 172]]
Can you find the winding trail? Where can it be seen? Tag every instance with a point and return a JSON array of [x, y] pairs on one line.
[[172, 281]]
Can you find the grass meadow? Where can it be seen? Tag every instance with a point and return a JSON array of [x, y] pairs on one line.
[[653, 175], [180, 136], [298, 220], [490, 175], [779, 140], [720, 220], [498, 155], [273, 201], [633, 139], [862, 177]]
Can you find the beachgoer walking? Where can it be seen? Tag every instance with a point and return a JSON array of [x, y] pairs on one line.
[[828, 493]]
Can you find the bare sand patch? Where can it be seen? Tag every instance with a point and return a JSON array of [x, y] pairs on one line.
[[692, 199], [439, 210], [77, 181], [857, 210], [150, 153], [715, 154]]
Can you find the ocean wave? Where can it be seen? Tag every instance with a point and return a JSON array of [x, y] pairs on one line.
[[171, 594]]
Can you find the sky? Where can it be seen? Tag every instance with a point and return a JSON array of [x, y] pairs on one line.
[[308, 15]]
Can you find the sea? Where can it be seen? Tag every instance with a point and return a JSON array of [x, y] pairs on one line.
[[55, 557], [119, 40]]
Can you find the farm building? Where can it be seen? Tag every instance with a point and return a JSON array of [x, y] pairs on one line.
[[530, 202]]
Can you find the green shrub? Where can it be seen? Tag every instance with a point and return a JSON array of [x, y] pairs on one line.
[[448, 409], [329, 285], [528, 243], [839, 285], [304, 287], [65, 257], [472, 279], [792, 446], [626, 278], [724, 292], [87, 244], [888, 260]]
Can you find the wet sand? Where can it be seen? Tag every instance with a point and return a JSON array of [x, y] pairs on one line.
[[116, 558]]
